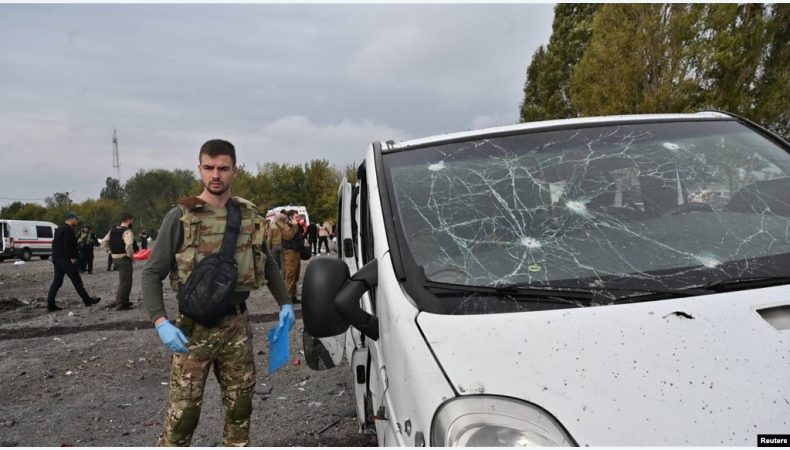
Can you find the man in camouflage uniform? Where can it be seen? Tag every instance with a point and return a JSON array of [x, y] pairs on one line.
[[191, 231], [86, 241]]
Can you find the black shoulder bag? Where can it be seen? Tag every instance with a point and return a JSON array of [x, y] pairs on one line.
[[204, 296]]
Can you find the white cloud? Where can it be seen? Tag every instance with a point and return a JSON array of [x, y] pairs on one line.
[[284, 83], [464, 53], [297, 139], [491, 120]]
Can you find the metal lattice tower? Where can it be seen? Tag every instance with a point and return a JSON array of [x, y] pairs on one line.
[[116, 160]]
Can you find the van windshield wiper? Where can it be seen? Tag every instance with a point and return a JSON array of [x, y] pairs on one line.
[[734, 284], [520, 292], [629, 295], [713, 287]]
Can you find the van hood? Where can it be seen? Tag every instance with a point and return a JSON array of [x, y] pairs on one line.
[[707, 370]]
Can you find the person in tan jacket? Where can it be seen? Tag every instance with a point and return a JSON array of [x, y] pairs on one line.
[[292, 263], [275, 239]]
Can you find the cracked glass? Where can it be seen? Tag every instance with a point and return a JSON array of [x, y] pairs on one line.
[[640, 206]]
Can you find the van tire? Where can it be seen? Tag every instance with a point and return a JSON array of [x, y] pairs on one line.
[[44, 257], [26, 254]]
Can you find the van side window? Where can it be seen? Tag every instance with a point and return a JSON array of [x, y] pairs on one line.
[[43, 231], [4, 229]]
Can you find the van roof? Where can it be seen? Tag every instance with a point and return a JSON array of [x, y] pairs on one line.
[[549, 124]]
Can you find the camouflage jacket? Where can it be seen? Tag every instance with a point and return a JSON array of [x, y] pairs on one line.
[[203, 230], [187, 239]]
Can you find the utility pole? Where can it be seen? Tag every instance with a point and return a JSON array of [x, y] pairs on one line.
[[116, 160]]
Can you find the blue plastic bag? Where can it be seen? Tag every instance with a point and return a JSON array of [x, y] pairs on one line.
[[279, 346]]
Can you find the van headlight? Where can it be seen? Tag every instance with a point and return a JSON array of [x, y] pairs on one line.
[[488, 421]]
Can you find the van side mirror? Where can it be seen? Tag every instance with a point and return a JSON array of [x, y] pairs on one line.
[[323, 279], [330, 298]]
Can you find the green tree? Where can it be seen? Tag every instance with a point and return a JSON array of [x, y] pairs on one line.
[[101, 214], [113, 190], [350, 172], [26, 211], [772, 108], [322, 181], [640, 60], [282, 184], [546, 93], [150, 194], [735, 38], [745, 65], [57, 206], [9, 211], [247, 185]]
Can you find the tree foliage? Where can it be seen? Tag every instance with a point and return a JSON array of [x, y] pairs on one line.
[[101, 214], [113, 190], [321, 183], [640, 60], [25, 211], [150, 194], [546, 93], [656, 58]]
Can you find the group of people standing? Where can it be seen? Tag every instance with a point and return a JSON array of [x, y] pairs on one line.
[[318, 235], [73, 255], [286, 237]]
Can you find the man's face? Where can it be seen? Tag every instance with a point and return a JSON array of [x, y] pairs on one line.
[[217, 173]]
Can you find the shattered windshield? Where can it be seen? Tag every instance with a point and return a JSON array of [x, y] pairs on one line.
[[646, 205]]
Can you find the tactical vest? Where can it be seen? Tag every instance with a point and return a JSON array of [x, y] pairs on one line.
[[117, 245], [204, 228]]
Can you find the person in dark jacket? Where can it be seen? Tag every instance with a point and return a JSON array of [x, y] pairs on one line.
[[312, 237], [144, 239], [64, 258]]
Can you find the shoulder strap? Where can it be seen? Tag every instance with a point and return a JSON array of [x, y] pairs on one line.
[[232, 229]]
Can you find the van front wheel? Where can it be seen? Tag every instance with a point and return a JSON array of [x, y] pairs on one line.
[[26, 255]]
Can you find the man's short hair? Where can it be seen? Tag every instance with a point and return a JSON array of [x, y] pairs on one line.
[[126, 216], [217, 147]]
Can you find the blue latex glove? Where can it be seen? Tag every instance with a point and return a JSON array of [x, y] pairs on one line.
[[287, 319], [172, 337]]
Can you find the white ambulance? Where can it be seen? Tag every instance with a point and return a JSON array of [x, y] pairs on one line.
[[301, 210], [26, 238]]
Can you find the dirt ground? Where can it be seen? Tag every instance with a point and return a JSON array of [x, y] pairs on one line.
[[99, 377]]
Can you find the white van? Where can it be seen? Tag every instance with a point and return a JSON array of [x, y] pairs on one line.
[[301, 210], [26, 238], [611, 281]]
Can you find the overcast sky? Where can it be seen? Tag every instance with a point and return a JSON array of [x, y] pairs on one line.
[[283, 83]]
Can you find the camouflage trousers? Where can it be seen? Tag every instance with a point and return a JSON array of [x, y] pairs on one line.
[[228, 349]]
